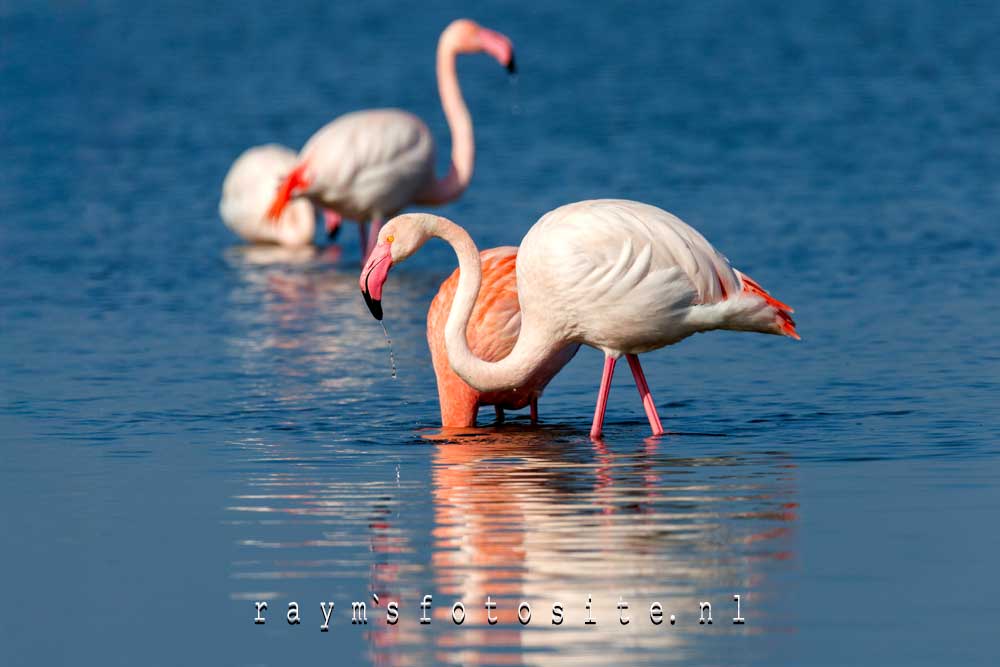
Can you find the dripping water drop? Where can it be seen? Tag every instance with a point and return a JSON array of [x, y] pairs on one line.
[[515, 105], [392, 357]]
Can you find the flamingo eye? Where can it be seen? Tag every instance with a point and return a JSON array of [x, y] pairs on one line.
[[390, 238]]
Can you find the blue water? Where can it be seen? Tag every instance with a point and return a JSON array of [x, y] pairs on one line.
[[189, 425]]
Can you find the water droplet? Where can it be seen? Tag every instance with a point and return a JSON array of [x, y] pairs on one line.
[[392, 357], [515, 105]]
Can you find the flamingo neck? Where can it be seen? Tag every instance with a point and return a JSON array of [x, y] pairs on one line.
[[532, 348], [463, 144]]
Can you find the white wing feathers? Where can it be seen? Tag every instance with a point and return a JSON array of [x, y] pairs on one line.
[[616, 247]]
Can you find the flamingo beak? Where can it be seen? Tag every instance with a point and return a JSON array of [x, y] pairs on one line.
[[500, 47], [373, 277]]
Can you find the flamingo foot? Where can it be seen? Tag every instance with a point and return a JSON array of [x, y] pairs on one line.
[[602, 398], [500, 415], [647, 398], [534, 411]]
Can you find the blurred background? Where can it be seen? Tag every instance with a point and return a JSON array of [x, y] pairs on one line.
[[189, 424]]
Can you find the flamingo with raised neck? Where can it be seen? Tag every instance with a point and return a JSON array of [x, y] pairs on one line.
[[368, 165], [621, 276]]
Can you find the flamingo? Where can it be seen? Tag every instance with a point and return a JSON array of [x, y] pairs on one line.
[[367, 165], [247, 190], [621, 276], [492, 332]]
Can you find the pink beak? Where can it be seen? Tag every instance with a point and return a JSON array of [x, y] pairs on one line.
[[499, 46], [373, 277]]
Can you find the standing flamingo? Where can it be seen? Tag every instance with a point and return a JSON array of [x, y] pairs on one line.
[[367, 165], [620, 276], [492, 332]]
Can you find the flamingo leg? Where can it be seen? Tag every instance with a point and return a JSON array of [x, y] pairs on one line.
[[534, 411], [602, 397], [376, 225], [647, 398], [363, 236], [331, 222], [500, 415]]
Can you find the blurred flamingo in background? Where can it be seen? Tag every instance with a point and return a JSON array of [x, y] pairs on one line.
[[247, 192], [621, 276], [492, 332], [367, 165]]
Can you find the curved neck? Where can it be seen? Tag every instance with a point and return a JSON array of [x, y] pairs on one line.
[[463, 144], [529, 353]]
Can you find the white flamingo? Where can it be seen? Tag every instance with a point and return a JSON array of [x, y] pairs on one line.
[[368, 165], [621, 276], [247, 190]]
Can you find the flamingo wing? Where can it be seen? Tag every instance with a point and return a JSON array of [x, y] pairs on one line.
[[630, 265], [496, 317], [615, 246], [492, 333], [370, 162]]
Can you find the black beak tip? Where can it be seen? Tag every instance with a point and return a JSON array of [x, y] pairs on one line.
[[333, 234], [512, 65], [374, 305]]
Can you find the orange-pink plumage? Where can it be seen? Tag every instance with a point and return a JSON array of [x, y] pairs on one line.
[[492, 332]]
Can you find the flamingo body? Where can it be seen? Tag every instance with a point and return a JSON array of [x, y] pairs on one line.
[[618, 275], [492, 332], [369, 164], [627, 278], [247, 192]]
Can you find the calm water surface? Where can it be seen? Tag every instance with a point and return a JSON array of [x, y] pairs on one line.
[[189, 425]]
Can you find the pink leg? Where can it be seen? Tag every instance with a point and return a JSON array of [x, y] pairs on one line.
[[376, 225], [602, 398], [534, 411], [363, 235], [331, 221], [647, 398]]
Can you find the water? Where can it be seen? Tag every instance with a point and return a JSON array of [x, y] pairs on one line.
[[388, 343], [190, 426]]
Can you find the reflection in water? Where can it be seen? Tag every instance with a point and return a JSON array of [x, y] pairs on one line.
[[297, 312], [542, 516], [523, 516]]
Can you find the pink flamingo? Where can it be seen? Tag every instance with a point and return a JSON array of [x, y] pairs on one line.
[[621, 276], [247, 192], [367, 165], [492, 332]]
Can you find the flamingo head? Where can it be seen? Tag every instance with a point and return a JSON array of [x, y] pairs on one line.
[[295, 184], [467, 36], [398, 239]]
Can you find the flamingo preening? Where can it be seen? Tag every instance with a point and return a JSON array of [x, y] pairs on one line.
[[368, 165], [247, 192], [492, 332], [621, 276]]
